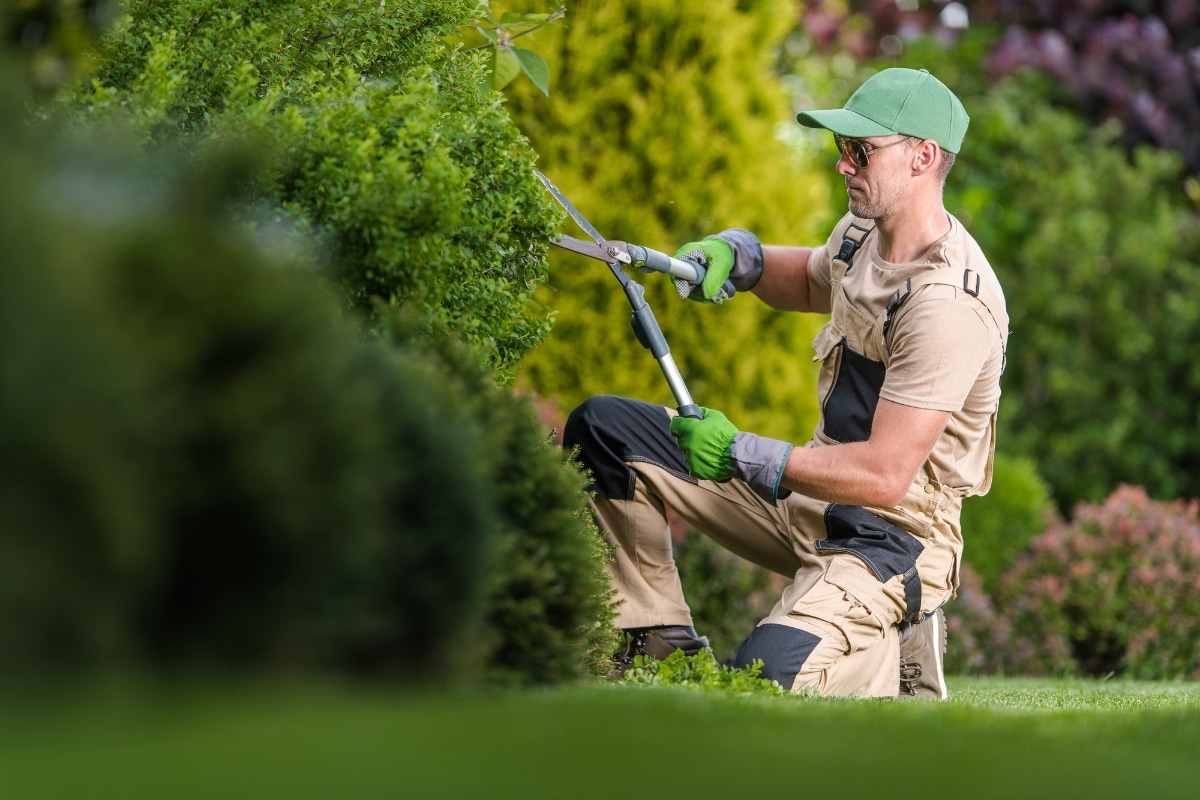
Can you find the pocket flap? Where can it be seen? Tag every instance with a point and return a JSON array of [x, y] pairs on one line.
[[826, 341]]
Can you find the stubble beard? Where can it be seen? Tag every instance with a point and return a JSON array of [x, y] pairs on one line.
[[864, 210], [873, 208]]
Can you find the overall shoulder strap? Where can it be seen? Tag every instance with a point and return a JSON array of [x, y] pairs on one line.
[[968, 280]]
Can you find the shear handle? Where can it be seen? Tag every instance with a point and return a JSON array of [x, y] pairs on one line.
[[648, 260]]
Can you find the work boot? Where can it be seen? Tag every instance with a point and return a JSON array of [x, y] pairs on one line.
[[658, 642], [922, 658]]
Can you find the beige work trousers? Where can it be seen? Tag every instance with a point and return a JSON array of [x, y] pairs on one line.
[[833, 595]]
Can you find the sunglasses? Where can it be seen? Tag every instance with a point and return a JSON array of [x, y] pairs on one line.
[[858, 151]]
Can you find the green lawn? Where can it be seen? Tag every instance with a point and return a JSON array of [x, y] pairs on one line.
[[995, 738]]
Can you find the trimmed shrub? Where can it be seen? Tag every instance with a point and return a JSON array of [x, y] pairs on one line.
[[379, 137], [999, 525], [548, 606], [384, 155], [1114, 591]]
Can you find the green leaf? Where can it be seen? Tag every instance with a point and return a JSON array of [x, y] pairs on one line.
[[505, 67], [535, 67]]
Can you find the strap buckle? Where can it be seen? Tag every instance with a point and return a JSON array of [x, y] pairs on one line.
[[850, 244], [967, 283]]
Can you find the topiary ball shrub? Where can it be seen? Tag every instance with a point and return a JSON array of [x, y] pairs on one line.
[[548, 596], [1114, 591]]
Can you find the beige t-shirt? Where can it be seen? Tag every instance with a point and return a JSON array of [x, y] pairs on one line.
[[946, 350]]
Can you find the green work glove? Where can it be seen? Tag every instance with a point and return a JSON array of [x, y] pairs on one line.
[[716, 256], [705, 444]]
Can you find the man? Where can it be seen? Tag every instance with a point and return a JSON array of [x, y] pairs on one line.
[[865, 517]]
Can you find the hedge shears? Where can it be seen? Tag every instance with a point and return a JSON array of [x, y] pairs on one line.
[[617, 254]]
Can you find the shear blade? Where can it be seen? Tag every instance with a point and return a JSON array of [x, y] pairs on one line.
[[570, 208]]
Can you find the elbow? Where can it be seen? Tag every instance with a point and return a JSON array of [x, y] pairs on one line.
[[889, 491]]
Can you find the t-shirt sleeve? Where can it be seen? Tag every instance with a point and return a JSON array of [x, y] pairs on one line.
[[820, 267], [941, 340]]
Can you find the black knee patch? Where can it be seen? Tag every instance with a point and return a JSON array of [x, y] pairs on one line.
[[783, 651], [611, 431]]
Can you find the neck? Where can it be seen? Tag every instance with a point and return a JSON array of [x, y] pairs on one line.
[[908, 233]]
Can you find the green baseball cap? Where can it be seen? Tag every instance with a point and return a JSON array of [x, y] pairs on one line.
[[897, 100]]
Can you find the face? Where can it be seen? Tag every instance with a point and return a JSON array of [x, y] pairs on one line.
[[876, 189]]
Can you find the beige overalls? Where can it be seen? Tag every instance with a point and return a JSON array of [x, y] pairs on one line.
[[856, 573]]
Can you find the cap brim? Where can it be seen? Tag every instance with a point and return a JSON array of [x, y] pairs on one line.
[[844, 122]]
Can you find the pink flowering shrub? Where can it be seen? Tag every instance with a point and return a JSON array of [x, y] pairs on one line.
[[1114, 591], [977, 634]]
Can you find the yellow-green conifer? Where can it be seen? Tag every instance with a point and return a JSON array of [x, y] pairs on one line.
[[662, 125]]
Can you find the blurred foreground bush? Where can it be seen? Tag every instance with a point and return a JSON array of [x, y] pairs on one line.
[[207, 466], [203, 463], [1114, 591]]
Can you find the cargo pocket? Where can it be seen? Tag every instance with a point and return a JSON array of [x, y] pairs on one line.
[[827, 348], [856, 616], [887, 550]]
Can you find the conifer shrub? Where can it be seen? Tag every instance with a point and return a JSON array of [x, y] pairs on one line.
[[549, 609], [1116, 590], [662, 126], [383, 154], [381, 138]]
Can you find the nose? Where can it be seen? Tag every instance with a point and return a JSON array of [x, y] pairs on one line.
[[845, 166]]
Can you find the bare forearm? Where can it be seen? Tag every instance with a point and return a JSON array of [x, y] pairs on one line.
[[846, 473], [876, 472]]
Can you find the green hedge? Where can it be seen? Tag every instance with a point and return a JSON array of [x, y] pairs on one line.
[[382, 159]]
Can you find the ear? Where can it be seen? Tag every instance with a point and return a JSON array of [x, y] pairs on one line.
[[925, 157]]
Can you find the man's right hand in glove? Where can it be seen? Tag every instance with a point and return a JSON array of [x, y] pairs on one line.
[[716, 256]]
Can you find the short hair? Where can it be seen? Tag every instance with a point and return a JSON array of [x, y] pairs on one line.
[[944, 165]]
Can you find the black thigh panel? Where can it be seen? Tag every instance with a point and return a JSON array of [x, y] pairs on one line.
[[611, 431], [888, 550]]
